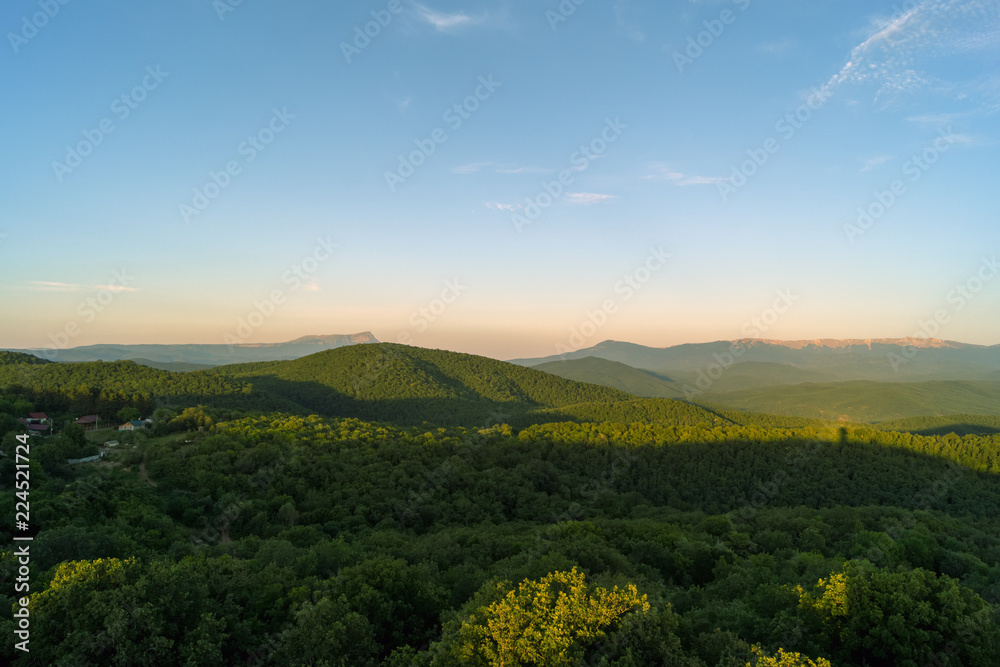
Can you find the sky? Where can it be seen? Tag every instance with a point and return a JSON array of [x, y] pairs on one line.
[[504, 178]]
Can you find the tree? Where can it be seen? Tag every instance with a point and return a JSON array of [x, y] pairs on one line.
[[7, 424], [783, 659], [127, 414], [192, 419], [547, 622], [872, 615], [75, 435]]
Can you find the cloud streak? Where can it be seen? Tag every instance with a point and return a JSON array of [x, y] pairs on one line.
[[445, 22], [588, 198], [663, 172], [474, 167], [897, 55], [524, 170], [51, 286], [872, 162]]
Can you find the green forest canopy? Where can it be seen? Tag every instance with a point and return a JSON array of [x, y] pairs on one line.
[[286, 538]]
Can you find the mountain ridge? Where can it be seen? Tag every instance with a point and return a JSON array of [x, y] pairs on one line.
[[878, 359], [211, 354]]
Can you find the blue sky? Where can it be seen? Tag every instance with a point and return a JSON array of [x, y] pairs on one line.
[[256, 181]]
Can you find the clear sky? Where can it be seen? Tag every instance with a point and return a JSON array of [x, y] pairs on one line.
[[498, 177]]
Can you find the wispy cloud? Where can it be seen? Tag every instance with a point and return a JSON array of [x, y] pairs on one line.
[[663, 172], [870, 163], [588, 198], [496, 206], [900, 51], [474, 167], [579, 198], [470, 168], [443, 21], [626, 26], [47, 286], [523, 170], [936, 118], [50, 286], [701, 180], [117, 288], [966, 139]]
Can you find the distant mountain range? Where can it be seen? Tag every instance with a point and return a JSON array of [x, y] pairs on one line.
[[193, 357], [884, 359], [615, 374], [850, 380]]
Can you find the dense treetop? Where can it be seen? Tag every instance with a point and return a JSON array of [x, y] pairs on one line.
[[8, 358]]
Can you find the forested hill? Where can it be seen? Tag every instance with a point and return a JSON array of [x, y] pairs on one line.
[[390, 382], [641, 410], [102, 388], [864, 401], [8, 358], [958, 424], [382, 382], [614, 374]]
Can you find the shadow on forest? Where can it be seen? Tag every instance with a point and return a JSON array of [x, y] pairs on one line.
[[731, 475], [317, 398], [765, 469], [958, 429]]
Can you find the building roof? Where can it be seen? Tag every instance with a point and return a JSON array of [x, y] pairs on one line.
[[137, 422], [88, 419], [38, 427], [37, 415]]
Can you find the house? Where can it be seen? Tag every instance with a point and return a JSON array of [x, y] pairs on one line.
[[33, 425], [38, 416], [111, 443], [134, 425], [87, 422]]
